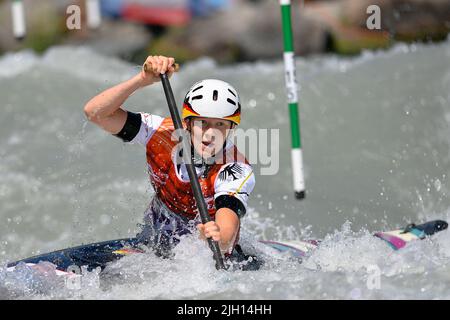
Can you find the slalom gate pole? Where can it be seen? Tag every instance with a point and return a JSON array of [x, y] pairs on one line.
[[18, 19], [292, 98]]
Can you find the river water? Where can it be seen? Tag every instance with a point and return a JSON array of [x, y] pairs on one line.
[[376, 138]]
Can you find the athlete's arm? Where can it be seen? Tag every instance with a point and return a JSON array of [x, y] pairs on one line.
[[233, 185], [105, 109], [224, 229]]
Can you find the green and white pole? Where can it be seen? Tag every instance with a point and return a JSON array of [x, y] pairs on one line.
[[292, 98], [18, 19]]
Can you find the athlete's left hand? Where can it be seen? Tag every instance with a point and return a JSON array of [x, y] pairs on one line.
[[209, 230]]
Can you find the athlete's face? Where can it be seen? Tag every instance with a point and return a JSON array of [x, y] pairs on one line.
[[208, 135]]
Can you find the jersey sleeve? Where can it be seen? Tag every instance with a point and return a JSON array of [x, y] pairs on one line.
[[234, 181], [139, 127]]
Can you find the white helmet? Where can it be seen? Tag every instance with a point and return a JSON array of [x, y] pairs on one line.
[[211, 98]]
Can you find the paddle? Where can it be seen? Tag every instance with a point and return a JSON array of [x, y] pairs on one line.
[[186, 144]]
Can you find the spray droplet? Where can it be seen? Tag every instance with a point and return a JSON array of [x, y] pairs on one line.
[[437, 185]]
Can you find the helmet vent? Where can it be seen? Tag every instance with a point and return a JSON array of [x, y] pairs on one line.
[[232, 92], [197, 88], [215, 94], [197, 97], [231, 101]]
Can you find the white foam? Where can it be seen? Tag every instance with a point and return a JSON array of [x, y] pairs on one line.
[[12, 64]]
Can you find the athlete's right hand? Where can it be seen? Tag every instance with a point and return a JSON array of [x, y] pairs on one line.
[[157, 65]]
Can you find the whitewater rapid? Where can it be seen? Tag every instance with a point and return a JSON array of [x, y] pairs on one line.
[[376, 138]]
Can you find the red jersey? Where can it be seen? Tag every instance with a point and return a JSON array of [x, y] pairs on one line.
[[232, 176]]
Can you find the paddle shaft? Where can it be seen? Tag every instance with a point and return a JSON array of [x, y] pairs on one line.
[[201, 204]]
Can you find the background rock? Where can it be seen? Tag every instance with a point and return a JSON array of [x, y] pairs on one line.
[[43, 23], [248, 32]]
